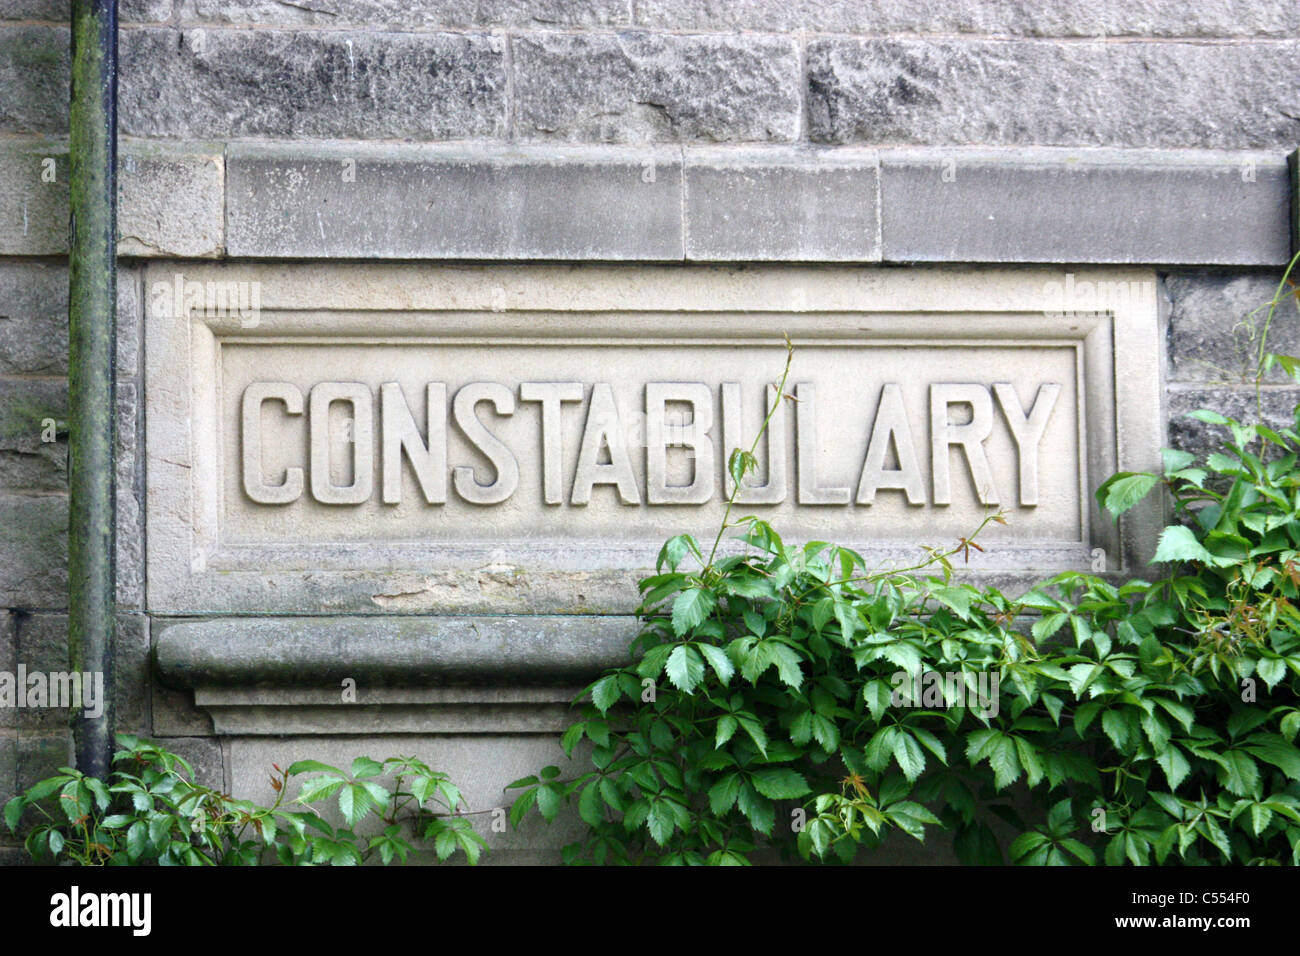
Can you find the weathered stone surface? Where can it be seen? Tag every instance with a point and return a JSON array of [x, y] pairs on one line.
[[258, 711], [8, 715], [133, 675], [389, 651], [218, 83], [42, 640], [1157, 18], [412, 13], [34, 71], [640, 87], [130, 493], [33, 197], [43, 647], [206, 757], [33, 434], [129, 11], [33, 550], [782, 204], [8, 764], [144, 11], [40, 755], [173, 714], [1216, 323], [130, 320], [170, 202], [1192, 435], [1046, 205], [455, 202], [170, 199], [33, 318], [996, 92]]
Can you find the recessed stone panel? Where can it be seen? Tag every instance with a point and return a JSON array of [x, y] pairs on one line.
[[420, 439]]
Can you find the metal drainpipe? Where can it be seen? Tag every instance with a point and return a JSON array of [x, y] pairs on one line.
[[92, 305]]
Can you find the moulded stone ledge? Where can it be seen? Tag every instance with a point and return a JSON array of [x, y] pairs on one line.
[[388, 652], [1186, 207], [170, 199], [505, 202], [757, 203]]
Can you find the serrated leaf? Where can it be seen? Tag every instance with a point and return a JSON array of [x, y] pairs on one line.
[[685, 668], [780, 783], [690, 609], [907, 752], [1122, 491]]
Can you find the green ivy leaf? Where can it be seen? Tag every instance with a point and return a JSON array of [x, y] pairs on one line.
[[690, 609], [1122, 491], [780, 783]]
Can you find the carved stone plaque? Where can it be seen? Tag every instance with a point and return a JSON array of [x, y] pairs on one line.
[[394, 439]]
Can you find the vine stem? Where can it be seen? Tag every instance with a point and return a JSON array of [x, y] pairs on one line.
[[1263, 338], [736, 480]]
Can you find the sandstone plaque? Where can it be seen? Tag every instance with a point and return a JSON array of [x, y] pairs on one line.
[[423, 439]]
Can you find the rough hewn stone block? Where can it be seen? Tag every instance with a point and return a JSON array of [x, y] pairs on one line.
[[34, 71], [1238, 402], [33, 318], [1083, 206], [129, 11], [203, 83], [206, 757], [41, 754], [33, 453], [33, 197], [412, 13], [455, 202], [1000, 92], [640, 87], [43, 646], [8, 715], [782, 204], [1156, 18], [8, 764], [33, 551], [1216, 323]]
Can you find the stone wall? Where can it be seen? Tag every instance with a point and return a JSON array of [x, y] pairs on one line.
[[1147, 132]]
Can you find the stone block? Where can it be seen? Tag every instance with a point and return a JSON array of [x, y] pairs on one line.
[[782, 204], [422, 14], [644, 87], [1217, 325], [33, 434], [1083, 206], [34, 73], [454, 202], [941, 92], [199, 83], [170, 199], [1027, 18], [1239, 403], [34, 551]]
